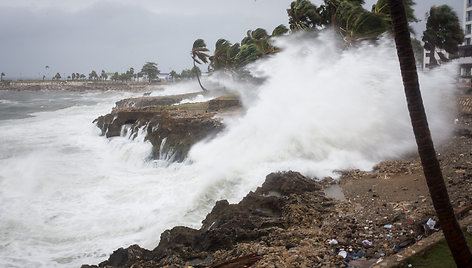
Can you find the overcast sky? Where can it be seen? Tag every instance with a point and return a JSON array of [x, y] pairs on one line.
[[84, 35]]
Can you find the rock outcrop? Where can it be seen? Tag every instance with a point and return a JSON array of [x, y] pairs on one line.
[[171, 129], [286, 201]]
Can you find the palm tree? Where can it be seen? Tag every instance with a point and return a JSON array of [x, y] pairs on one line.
[[303, 15], [1, 76], [432, 170], [199, 55], [443, 31], [150, 69], [279, 30], [220, 59]]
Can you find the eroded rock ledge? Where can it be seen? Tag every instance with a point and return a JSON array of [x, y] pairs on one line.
[[171, 129], [272, 215]]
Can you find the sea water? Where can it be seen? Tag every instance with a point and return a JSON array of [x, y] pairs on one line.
[[69, 196]]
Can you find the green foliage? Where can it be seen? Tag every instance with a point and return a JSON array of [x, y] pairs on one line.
[[57, 76], [443, 30], [115, 76], [438, 256], [198, 52], [221, 59], [280, 30], [93, 75], [247, 54], [303, 15], [357, 24], [150, 69]]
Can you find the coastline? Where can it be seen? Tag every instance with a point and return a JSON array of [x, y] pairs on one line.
[[82, 85]]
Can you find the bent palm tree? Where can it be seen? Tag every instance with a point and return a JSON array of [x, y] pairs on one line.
[[199, 55], [432, 171]]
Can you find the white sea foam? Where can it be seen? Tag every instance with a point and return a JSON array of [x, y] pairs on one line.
[[69, 196]]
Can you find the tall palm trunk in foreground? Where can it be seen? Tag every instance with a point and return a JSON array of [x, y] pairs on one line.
[[432, 171]]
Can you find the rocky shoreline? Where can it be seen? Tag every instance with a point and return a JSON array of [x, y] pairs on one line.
[[358, 220], [172, 128], [77, 85]]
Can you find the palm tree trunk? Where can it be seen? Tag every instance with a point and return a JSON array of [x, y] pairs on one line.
[[432, 171], [198, 78]]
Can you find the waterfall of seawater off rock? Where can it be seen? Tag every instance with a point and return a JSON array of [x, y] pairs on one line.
[[69, 196]]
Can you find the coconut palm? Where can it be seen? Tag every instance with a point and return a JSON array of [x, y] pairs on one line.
[[1, 76], [260, 39], [199, 56], [431, 168], [279, 30], [221, 58], [150, 69], [303, 15], [443, 31]]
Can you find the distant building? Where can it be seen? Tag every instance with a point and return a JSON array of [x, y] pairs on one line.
[[465, 51]]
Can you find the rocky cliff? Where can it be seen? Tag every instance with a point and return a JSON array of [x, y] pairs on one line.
[[172, 129], [276, 215]]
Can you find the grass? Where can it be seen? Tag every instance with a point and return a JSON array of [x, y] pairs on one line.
[[438, 255]]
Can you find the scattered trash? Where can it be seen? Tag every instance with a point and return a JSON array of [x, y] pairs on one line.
[[389, 235], [431, 223], [367, 242], [342, 253], [355, 255], [388, 226], [333, 242], [382, 254], [469, 229], [397, 249]]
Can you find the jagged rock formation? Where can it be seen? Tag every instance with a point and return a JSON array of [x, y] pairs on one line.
[[172, 129], [269, 215]]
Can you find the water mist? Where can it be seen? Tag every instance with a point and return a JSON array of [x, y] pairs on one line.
[[69, 196]]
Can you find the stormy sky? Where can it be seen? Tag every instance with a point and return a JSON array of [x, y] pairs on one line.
[[85, 35]]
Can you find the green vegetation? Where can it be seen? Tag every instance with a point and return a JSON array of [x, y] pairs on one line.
[[150, 69], [199, 56], [443, 31], [438, 256]]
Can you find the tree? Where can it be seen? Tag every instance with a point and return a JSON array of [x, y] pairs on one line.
[[150, 69], [303, 15], [199, 56], [115, 76], [220, 59], [443, 31], [174, 75], [77, 76], [93, 75], [431, 168], [103, 75], [73, 76], [280, 30], [57, 76], [1, 76], [82, 76]]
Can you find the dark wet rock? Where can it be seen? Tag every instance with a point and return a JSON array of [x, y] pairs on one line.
[[171, 129], [256, 218]]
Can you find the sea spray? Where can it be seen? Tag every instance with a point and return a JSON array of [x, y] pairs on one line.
[[322, 108], [69, 196]]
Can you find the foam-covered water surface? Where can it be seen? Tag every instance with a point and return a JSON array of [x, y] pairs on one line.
[[69, 196]]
